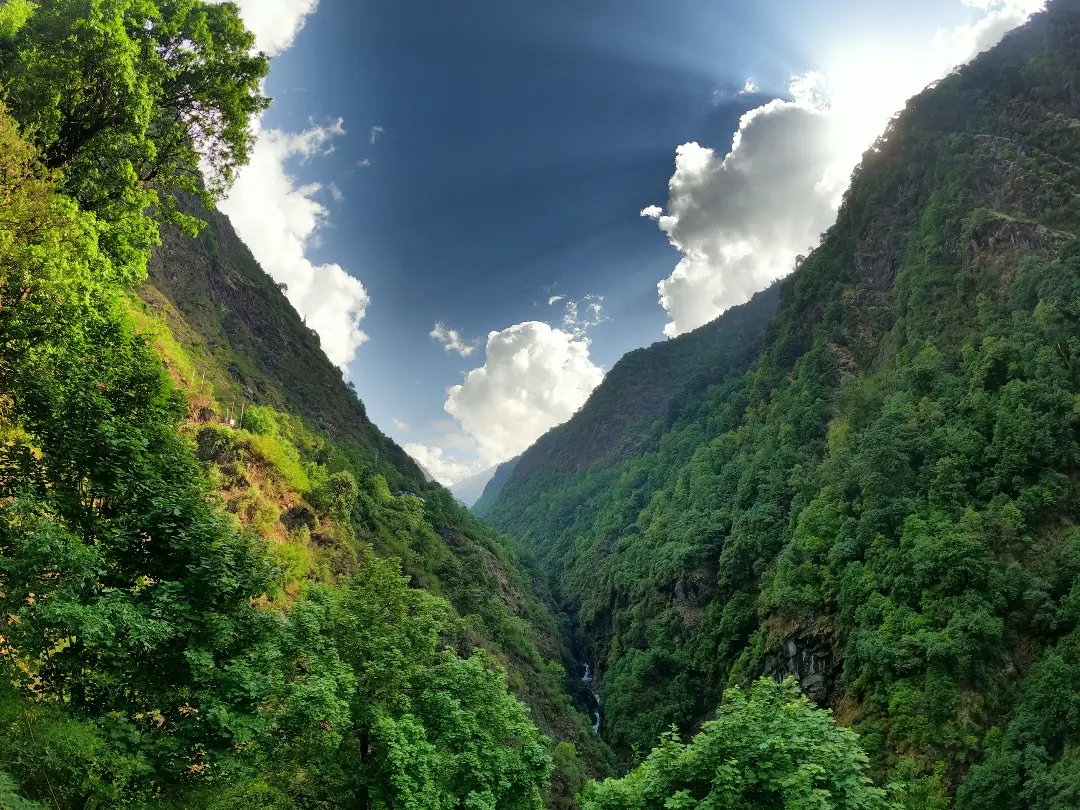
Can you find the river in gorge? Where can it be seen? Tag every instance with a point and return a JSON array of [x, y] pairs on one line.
[[594, 698]]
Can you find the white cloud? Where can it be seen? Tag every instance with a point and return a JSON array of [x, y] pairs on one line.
[[446, 469], [740, 219], [275, 23], [1001, 16], [373, 135], [363, 164], [451, 340], [402, 426], [336, 193], [580, 316], [749, 88], [456, 440], [534, 377], [278, 219], [555, 299]]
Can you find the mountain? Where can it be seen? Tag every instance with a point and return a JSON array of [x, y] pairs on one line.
[[223, 586], [874, 489], [221, 316], [469, 490], [499, 476]]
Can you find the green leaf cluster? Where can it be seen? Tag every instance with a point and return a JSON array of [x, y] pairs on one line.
[[770, 749]]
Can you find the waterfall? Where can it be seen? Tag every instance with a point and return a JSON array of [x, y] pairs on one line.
[[587, 680]]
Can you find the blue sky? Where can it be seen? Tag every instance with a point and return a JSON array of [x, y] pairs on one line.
[[462, 162]]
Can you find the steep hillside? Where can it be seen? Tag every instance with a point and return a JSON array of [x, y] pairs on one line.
[[630, 409], [625, 414], [221, 585], [494, 486], [236, 322], [247, 353], [884, 504]]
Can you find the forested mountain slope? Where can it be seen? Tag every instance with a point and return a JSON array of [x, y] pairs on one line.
[[196, 613], [235, 345], [884, 504], [237, 319], [494, 486], [645, 387]]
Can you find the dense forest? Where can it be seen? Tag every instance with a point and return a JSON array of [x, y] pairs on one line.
[[213, 591], [879, 500], [819, 553]]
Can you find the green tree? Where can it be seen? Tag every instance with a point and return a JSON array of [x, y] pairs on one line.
[[134, 100], [770, 749], [431, 729], [13, 16], [10, 798]]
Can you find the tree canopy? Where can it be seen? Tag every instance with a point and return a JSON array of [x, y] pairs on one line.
[[132, 101], [770, 749]]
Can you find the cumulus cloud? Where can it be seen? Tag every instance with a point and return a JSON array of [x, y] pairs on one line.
[[446, 469], [533, 378], [741, 218], [278, 218], [451, 340], [555, 299], [402, 426], [275, 23], [1001, 16], [749, 88]]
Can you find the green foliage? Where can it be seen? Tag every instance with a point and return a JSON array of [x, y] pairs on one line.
[[884, 502], [567, 779], [1035, 762], [769, 750], [10, 799], [129, 95], [261, 421], [280, 455], [156, 651], [13, 16]]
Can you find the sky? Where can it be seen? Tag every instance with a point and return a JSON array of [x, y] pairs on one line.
[[481, 205]]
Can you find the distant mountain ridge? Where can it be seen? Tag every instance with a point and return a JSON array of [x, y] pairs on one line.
[[468, 490], [499, 477], [627, 412]]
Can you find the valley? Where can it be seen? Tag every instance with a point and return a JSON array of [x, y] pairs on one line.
[[819, 552]]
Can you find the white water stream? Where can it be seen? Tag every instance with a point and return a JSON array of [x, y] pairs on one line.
[[587, 680]]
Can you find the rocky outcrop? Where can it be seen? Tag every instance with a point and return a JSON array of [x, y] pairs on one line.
[[809, 660]]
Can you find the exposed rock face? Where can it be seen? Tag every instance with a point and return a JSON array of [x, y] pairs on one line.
[[1001, 235], [692, 595], [809, 661]]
